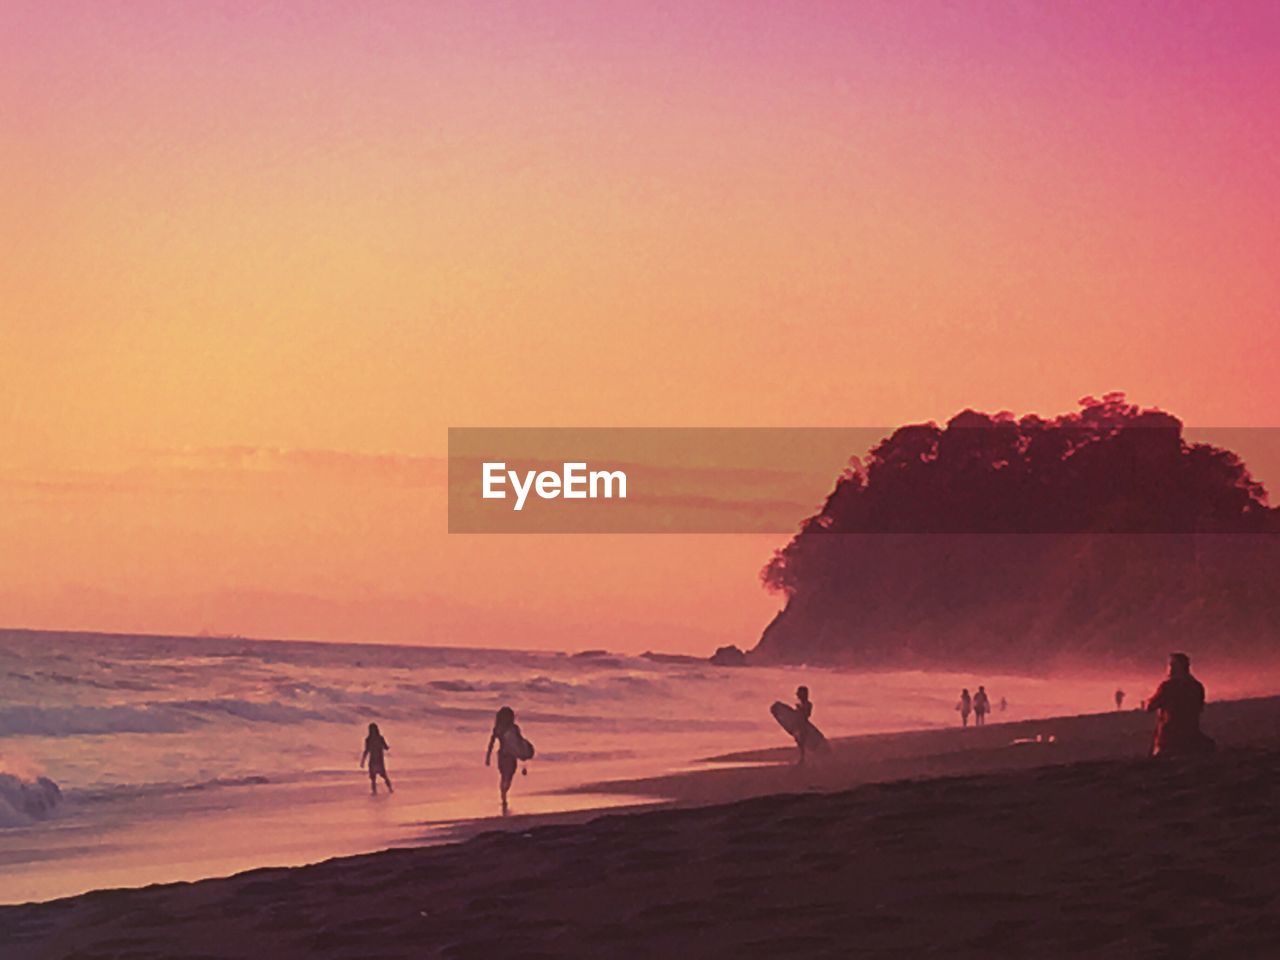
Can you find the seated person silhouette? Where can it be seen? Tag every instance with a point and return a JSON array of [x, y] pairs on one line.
[[1177, 704]]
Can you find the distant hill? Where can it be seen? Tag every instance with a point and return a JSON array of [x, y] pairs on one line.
[[1029, 542]]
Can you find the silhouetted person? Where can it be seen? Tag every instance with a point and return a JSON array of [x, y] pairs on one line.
[[1178, 703], [512, 748], [964, 706], [981, 706], [1004, 704], [1119, 699], [375, 751], [804, 708]]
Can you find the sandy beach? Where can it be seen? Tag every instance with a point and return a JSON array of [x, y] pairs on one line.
[[876, 758], [968, 846]]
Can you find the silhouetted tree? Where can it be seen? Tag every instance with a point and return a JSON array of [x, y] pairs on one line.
[[1028, 537]]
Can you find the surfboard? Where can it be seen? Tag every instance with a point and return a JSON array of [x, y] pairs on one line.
[[514, 742], [791, 721]]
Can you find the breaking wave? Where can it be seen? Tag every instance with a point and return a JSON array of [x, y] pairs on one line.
[[23, 800], [129, 791], [164, 716], [26, 720]]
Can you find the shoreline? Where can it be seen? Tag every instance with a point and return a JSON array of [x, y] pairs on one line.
[[950, 751], [933, 841], [913, 755], [1098, 857]]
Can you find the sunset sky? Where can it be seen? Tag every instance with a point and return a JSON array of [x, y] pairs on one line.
[[257, 258]]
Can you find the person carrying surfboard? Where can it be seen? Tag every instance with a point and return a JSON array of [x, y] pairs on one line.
[[796, 721], [513, 749]]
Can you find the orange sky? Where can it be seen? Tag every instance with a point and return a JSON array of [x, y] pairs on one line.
[[256, 263]]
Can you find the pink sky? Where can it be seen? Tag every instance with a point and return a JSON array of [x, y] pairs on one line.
[[327, 232]]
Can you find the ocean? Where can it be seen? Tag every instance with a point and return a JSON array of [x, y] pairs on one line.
[[127, 760]]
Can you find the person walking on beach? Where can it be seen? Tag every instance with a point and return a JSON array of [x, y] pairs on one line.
[[964, 706], [1177, 704], [512, 749], [981, 706], [1119, 699], [375, 751], [1004, 704]]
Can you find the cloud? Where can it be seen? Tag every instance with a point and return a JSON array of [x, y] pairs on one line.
[[216, 469], [404, 468]]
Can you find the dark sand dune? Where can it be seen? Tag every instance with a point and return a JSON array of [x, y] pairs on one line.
[[1122, 857]]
